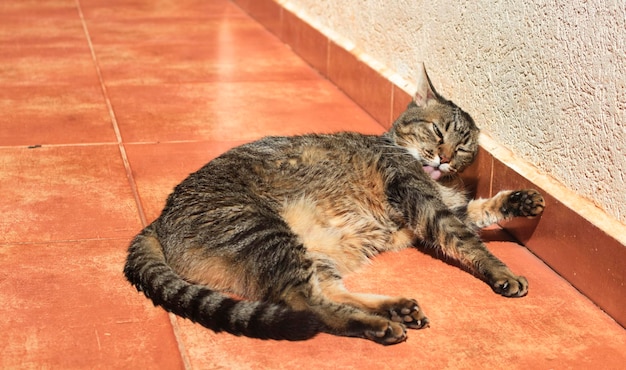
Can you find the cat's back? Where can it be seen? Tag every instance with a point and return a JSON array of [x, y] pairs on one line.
[[275, 163], [274, 168]]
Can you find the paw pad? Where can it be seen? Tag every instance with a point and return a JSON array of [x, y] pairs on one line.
[[526, 203], [393, 333], [407, 312], [511, 286]]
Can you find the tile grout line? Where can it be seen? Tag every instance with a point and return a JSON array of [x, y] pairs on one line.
[[129, 174], [182, 352], [60, 241]]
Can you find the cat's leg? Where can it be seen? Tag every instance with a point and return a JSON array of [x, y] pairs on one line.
[[344, 319], [296, 279], [397, 309], [435, 223], [458, 240], [503, 206]]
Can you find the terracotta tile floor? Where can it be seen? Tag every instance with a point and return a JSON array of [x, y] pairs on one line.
[[106, 105]]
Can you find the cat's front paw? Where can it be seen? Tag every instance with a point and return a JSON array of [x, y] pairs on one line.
[[525, 203], [509, 285]]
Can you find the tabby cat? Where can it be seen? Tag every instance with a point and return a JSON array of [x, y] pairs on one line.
[[257, 241]]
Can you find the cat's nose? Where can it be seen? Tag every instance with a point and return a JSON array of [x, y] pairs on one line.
[[444, 159]]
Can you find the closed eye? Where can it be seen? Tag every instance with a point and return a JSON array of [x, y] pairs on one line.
[[437, 132], [462, 150]]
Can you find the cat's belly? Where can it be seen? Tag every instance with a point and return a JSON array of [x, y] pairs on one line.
[[348, 237]]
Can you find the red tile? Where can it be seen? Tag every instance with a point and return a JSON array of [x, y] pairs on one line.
[[157, 51], [36, 7], [124, 9], [310, 44], [259, 58], [364, 85], [235, 111], [67, 305], [485, 330], [591, 260], [266, 12], [49, 27], [173, 30], [65, 193], [158, 168], [54, 114], [43, 65]]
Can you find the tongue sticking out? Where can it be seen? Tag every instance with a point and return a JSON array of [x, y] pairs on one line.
[[434, 173]]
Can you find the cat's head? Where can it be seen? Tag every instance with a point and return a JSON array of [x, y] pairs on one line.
[[435, 131]]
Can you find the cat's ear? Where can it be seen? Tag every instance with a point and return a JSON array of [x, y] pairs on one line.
[[425, 92]]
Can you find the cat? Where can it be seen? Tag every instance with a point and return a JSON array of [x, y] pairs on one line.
[[257, 241]]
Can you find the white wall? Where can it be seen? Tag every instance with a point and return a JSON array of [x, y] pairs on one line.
[[546, 79]]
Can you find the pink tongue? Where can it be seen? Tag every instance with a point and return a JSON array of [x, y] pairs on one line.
[[433, 172]]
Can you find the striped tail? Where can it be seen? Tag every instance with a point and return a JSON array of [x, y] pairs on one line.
[[148, 271]]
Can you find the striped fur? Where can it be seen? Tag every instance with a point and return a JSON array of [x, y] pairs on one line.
[[257, 241]]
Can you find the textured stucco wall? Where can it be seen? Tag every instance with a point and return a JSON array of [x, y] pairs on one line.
[[546, 79]]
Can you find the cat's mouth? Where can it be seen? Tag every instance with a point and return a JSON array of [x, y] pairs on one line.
[[433, 172]]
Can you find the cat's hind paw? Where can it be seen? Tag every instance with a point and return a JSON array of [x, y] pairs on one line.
[[407, 312], [393, 333]]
